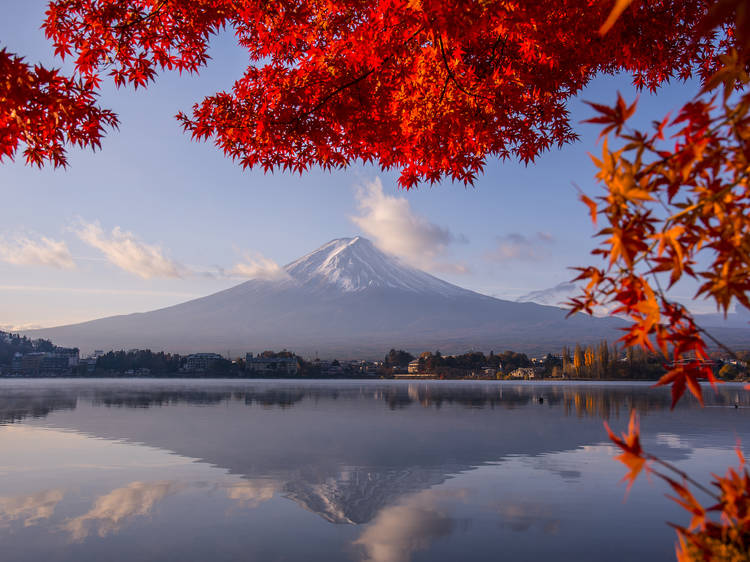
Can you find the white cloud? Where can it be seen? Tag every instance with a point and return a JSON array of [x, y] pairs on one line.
[[411, 526], [30, 509], [250, 494], [112, 510], [13, 328], [124, 250], [395, 228], [258, 267], [22, 250], [520, 247]]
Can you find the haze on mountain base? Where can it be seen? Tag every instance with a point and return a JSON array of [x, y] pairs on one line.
[[347, 299]]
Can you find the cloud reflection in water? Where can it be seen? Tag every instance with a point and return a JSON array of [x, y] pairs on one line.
[[31, 509], [112, 510], [399, 531]]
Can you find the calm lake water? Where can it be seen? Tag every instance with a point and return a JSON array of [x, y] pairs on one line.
[[190, 471]]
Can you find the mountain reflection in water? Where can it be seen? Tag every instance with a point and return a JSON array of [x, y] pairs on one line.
[[189, 470]]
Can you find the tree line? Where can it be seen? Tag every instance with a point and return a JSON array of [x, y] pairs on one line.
[[10, 344]]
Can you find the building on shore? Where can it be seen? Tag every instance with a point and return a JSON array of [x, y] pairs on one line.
[[523, 373], [414, 376], [413, 367], [271, 366], [45, 363], [201, 362]]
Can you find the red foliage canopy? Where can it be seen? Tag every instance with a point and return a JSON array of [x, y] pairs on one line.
[[428, 87], [46, 111]]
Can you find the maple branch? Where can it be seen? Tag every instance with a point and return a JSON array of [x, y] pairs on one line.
[[351, 83], [341, 88], [502, 50], [684, 475], [453, 76], [703, 331], [142, 19], [445, 88], [717, 342], [123, 26]]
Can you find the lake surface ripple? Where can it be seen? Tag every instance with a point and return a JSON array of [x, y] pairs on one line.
[[126, 470]]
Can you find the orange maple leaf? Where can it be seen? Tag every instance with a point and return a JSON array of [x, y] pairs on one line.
[[632, 455]]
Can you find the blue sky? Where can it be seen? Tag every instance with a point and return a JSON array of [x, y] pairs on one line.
[[154, 218]]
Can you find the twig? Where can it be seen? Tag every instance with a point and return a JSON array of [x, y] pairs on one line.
[[682, 474]]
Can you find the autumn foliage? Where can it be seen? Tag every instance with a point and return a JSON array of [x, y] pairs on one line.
[[677, 205], [433, 89], [718, 532], [428, 87], [45, 111]]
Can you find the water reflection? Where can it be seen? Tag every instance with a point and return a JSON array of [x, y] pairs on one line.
[[522, 516], [112, 510], [403, 471], [410, 526], [30, 509], [251, 494], [19, 401]]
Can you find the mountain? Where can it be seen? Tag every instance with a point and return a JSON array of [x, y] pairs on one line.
[[554, 296], [732, 330], [346, 299]]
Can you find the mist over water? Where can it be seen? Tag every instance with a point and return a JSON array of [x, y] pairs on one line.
[[336, 470]]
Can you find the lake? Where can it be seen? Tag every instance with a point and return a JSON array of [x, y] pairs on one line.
[[381, 471]]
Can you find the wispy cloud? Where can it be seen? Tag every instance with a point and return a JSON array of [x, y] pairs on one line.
[[19, 328], [22, 250], [30, 509], [250, 494], [257, 266], [396, 229], [520, 247], [95, 291], [112, 510], [124, 250]]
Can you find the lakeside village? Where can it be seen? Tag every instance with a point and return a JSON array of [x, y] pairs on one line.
[[22, 357]]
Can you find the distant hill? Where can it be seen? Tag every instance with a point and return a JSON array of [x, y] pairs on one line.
[[347, 299], [732, 330]]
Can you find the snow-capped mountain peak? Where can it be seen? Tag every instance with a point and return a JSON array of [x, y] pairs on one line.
[[355, 264]]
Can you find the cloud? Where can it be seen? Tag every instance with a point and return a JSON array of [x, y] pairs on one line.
[[111, 510], [401, 530], [124, 250], [19, 327], [31, 509], [521, 517], [519, 247], [96, 291], [396, 229], [22, 250], [258, 267], [251, 494]]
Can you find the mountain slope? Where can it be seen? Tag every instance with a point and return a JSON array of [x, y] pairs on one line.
[[346, 299]]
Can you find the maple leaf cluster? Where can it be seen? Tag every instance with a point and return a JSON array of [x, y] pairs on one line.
[[46, 111], [675, 208], [726, 538], [428, 87], [677, 204]]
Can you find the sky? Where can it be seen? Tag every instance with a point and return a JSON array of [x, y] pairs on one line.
[[154, 218]]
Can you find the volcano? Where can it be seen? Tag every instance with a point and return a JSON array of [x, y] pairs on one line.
[[347, 299]]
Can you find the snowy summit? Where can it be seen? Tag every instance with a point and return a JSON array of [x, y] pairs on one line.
[[355, 264]]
